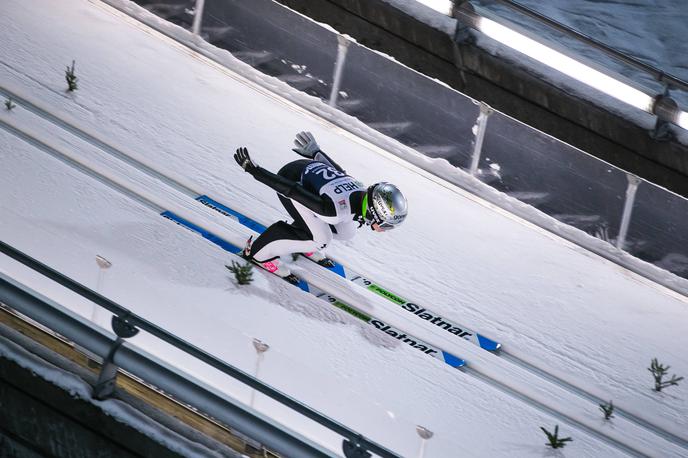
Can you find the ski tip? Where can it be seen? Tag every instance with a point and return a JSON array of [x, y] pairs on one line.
[[488, 344], [452, 360]]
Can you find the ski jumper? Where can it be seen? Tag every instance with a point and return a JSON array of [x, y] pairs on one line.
[[317, 194]]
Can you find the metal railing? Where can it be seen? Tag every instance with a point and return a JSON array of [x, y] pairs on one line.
[[655, 72], [126, 324]]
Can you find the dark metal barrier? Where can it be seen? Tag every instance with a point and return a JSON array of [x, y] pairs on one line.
[[51, 315]]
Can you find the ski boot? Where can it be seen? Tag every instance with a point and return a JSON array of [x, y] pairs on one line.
[[274, 266], [319, 258]]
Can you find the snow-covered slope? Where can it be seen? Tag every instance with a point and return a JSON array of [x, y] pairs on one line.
[[571, 314]]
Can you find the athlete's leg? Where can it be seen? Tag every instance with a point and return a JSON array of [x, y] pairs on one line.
[[307, 234]]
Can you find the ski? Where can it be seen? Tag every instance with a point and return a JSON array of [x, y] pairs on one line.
[[411, 341], [418, 311]]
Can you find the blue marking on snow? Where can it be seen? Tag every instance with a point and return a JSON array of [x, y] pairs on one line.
[[488, 344], [243, 219], [452, 360], [199, 230]]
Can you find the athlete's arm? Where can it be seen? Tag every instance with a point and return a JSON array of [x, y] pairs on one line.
[[322, 157], [306, 146], [321, 205]]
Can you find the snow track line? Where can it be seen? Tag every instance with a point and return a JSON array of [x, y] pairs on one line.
[[618, 412], [77, 165], [93, 140], [188, 192], [572, 421]]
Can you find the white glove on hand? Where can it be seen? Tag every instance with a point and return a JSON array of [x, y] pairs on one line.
[[306, 145]]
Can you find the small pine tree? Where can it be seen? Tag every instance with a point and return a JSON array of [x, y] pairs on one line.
[[554, 440], [658, 372], [242, 273], [295, 256], [9, 104], [71, 77], [608, 410]]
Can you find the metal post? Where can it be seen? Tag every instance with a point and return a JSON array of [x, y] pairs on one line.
[[342, 48], [485, 112], [425, 434], [107, 378], [353, 449], [198, 16], [666, 109], [633, 183], [103, 265], [261, 347]]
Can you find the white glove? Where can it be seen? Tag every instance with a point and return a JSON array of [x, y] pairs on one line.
[[306, 145]]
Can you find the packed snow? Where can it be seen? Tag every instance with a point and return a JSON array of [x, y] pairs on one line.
[[549, 302]]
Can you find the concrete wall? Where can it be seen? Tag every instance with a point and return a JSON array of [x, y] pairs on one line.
[[38, 419], [471, 70]]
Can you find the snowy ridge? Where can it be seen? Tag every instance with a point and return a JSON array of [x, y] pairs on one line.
[[83, 151]]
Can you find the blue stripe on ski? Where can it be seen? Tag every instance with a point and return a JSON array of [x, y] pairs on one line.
[[199, 230], [487, 343], [246, 221], [213, 238], [338, 269], [452, 360]]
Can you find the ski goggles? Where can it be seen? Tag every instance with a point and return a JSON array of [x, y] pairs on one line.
[[385, 226]]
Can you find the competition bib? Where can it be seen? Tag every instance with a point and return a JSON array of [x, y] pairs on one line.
[[323, 179]]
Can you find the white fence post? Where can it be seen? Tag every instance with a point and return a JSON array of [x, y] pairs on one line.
[[425, 435], [342, 48], [103, 265], [261, 347], [633, 183], [481, 125], [198, 16]]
